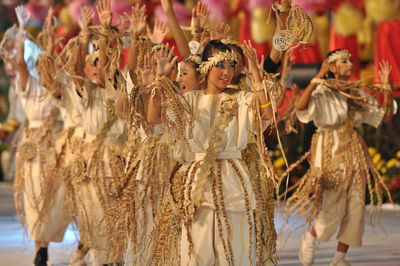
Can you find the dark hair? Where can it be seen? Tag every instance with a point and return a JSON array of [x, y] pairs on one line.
[[329, 74], [211, 46]]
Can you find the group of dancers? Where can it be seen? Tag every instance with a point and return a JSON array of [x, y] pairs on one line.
[[163, 162]]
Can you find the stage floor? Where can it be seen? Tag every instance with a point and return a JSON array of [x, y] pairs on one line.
[[379, 248]]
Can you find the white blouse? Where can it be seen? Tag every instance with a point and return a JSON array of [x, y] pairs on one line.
[[94, 115], [36, 101], [329, 111], [69, 102]]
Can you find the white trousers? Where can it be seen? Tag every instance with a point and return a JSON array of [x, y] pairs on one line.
[[208, 247]]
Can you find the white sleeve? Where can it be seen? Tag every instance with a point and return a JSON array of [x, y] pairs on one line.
[[309, 114], [374, 115]]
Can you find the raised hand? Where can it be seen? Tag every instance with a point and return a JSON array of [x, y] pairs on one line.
[[200, 15], [85, 19], [159, 32], [137, 20], [384, 71], [147, 70], [49, 30], [104, 12], [166, 60], [221, 31], [260, 66], [251, 55], [48, 22], [22, 17]]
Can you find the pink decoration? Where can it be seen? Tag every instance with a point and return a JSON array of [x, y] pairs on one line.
[[259, 4], [75, 7], [121, 7], [182, 14], [218, 9], [310, 6], [36, 10]]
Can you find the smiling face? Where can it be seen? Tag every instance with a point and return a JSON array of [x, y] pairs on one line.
[[343, 67], [189, 79], [220, 75]]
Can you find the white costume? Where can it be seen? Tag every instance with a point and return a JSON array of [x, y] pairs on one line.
[[36, 179], [99, 171], [340, 164], [213, 197]]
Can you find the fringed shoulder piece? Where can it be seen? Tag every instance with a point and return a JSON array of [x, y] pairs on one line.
[[175, 112]]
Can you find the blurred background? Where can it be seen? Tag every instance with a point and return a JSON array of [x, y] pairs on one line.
[[369, 29]]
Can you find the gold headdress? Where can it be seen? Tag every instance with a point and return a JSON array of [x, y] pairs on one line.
[[194, 58], [230, 40], [336, 55], [212, 61]]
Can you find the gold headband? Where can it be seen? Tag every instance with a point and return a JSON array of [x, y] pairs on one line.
[[212, 61], [336, 55], [228, 41], [194, 58]]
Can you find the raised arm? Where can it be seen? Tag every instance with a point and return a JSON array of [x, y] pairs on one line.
[[200, 15], [175, 29], [86, 18], [46, 64], [304, 98], [384, 73], [282, 12], [158, 33], [165, 64], [105, 17], [137, 26], [265, 104], [21, 65]]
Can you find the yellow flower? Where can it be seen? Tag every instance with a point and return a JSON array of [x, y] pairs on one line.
[[377, 157], [391, 163], [278, 163], [383, 170], [277, 153], [371, 150], [398, 154], [380, 164]]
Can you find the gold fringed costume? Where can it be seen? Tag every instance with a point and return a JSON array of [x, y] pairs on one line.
[[340, 166], [215, 198], [151, 170], [38, 189], [97, 174]]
